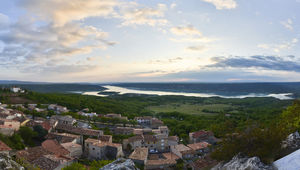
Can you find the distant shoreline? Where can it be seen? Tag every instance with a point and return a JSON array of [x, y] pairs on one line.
[[122, 90]]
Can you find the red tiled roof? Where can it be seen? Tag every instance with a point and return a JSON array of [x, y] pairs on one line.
[[201, 133], [46, 125], [81, 131], [170, 155], [197, 146], [160, 162], [4, 147], [62, 137], [135, 138], [139, 154], [105, 138], [54, 147], [32, 153]]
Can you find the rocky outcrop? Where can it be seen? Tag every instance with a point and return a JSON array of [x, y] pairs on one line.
[[292, 141], [240, 162], [120, 164], [6, 163]]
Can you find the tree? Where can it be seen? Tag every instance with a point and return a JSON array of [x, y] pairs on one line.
[[27, 135], [41, 132]]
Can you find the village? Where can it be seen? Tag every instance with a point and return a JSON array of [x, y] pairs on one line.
[[148, 145]]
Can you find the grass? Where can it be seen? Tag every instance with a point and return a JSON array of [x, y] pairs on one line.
[[191, 108]]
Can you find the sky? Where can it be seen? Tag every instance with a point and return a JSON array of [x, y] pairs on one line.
[[150, 40]]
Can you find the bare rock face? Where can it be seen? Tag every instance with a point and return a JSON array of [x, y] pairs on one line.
[[292, 141], [6, 163], [240, 162], [120, 164]]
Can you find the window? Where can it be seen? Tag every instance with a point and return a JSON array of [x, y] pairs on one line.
[[93, 148]]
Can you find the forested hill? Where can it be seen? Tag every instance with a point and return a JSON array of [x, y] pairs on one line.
[[57, 87], [219, 88]]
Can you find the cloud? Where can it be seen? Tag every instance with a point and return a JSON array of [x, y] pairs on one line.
[[198, 48], [132, 14], [173, 6], [189, 34], [222, 4], [28, 44], [4, 21], [61, 12], [287, 63], [66, 69], [185, 30], [288, 24], [278, 47], [168, 61], [50, 33]]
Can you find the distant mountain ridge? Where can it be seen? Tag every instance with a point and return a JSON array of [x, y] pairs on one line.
[[45, 87]]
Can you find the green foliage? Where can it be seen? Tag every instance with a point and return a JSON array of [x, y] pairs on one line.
[[179, 165], [261, 140], [27, 135], [75, 166], [26, 165], [14, 141], [95, 165], [41, 132]]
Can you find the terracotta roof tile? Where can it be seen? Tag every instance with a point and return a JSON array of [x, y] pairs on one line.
[[33, 153], [54, 147], [197, 146], [80, 131], [139, 153], [4, 147]]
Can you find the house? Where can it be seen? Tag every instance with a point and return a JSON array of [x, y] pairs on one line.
[[64, 137], [202, 136], [133, 142], [97, 149], [201, 147], [139, 155], [155, 123], [164, 130], [114, 115], [87, 114], [173, 140], [182, 151], [165, 161], [46, 124], [162, 144], [64, 120], [144, 120], [4, 148], [150, 142], [10, 123], [17, 90], [106, 138], [40, 157], [57, 109], [123, 130], [52, 162], [155, 143], [54, 147], [8, 127], [138, 131], [75, 150], [79, 131]]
